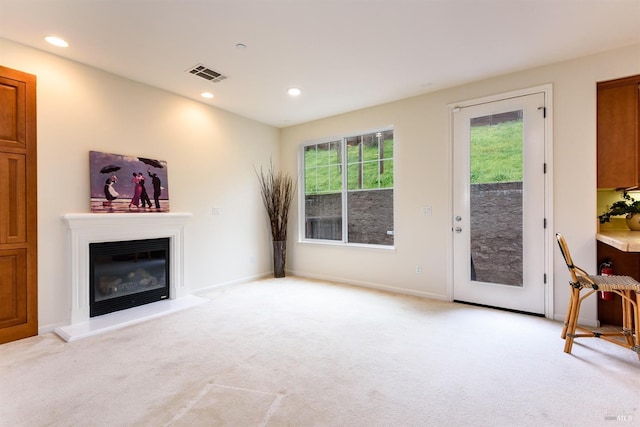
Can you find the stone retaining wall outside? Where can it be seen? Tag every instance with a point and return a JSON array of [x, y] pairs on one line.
[[370, 216], [496, 225], [496, 232]]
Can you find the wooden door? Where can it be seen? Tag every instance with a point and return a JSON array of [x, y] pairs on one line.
[[18, 206]]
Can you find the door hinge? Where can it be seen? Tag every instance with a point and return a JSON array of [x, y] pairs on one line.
[[544, 112], [544, 168], [545, 278], [544, 223]]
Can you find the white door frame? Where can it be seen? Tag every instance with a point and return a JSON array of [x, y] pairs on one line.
[[549, 240]]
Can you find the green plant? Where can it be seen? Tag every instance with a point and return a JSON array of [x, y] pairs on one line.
[[628, 206]]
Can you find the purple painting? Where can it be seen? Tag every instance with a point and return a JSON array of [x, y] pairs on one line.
[[128, 184]]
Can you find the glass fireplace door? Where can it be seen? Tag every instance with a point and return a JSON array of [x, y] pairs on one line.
[[128, 274]]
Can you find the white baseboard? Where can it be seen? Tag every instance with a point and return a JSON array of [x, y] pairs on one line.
[[370, 285], [202, 291]]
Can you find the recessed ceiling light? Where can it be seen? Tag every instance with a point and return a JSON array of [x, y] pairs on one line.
[[56, 41], [241, 46], [207, 95], [294, 91]]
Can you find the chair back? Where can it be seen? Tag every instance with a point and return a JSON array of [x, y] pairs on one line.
[[564, 250]]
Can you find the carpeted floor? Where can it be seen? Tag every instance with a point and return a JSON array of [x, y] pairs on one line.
[[297, 352]]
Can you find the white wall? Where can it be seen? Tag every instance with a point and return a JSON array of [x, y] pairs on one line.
[[210, 155], [423, 174]]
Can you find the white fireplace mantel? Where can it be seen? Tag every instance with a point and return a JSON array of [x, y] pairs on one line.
[[86, 228]]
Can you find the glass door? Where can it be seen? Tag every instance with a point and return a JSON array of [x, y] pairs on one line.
[[498, 225]]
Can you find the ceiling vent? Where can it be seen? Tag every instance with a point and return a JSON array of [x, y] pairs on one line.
[[206, 73]]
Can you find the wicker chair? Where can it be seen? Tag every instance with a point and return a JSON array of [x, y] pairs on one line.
[[625, 286]]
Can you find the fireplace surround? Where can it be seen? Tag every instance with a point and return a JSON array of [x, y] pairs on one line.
[[85, 229]]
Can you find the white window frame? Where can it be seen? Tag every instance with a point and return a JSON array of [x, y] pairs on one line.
[[344, 191]]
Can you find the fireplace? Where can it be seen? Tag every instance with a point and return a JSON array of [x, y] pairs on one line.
[[127, 274], [86, 230]]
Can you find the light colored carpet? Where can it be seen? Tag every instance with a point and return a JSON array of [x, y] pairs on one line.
[[297, 352]]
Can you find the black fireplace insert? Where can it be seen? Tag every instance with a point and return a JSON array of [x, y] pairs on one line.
[[127, 274]]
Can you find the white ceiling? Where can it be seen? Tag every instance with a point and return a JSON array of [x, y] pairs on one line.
[[343, 54]]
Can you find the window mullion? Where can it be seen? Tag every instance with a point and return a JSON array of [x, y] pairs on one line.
[[345, 186], [380, 161]]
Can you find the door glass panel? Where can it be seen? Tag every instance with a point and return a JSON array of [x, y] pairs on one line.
[[496, 174]]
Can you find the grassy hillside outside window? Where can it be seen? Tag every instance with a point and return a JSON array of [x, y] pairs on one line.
[[496, 152]]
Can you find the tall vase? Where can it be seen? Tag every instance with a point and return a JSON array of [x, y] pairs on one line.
[[279, 257]]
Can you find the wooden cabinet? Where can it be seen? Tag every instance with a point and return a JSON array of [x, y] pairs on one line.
[[618, 133], [624, 264], [618, 114]]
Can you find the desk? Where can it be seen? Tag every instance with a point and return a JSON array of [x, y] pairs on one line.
[[623, 248]]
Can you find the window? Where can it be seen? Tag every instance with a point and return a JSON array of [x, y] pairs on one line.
[[348, 189]]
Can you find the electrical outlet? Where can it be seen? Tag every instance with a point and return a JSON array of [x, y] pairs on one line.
[[215, 211], [418, 269], [427, 211]]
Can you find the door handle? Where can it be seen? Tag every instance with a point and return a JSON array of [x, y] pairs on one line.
[[458, 229]]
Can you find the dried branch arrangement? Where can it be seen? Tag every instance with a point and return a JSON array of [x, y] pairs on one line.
[[277, 189]]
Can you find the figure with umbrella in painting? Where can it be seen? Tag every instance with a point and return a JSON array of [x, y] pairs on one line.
[[155, 181], [137, 191], [144, 197], [157, 187], [110, 192]]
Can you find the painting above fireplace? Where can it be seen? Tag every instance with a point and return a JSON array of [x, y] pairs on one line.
[[128, 183]]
